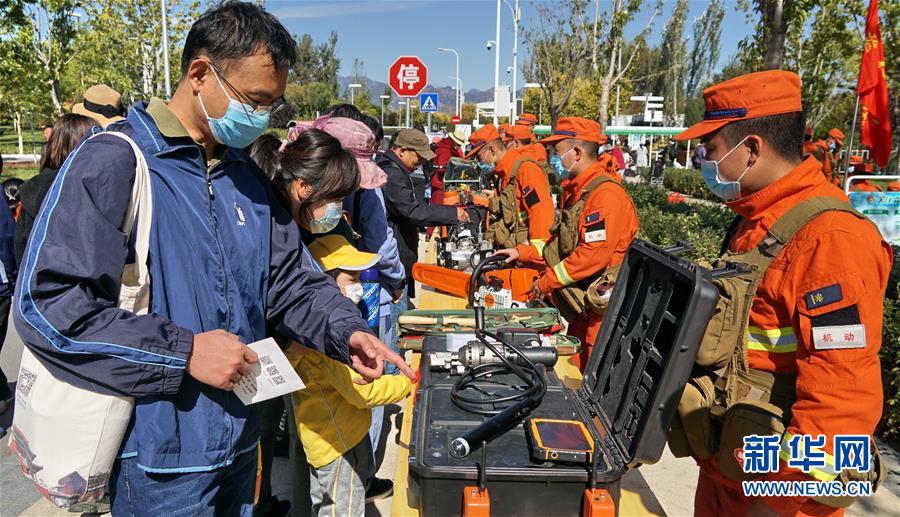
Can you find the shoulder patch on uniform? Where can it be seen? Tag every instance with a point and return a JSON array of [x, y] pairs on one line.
[[531, 197], [594, 216], [595, 232], [823, 296]]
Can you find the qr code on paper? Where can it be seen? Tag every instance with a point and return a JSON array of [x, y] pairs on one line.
[[278, 380], [272, 370], [265, 360], [26, 382]]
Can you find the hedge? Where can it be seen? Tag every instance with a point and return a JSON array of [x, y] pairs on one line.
[[704, 225], [686, 181]]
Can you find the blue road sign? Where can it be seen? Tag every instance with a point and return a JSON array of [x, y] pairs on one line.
[[428, 102]]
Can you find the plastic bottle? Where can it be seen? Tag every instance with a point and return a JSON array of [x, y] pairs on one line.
[[371, 299]]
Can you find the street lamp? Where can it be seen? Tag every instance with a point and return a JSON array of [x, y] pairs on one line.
[[541, 112], [457, 74], [383, 97], [517, 15], [165, 44], [497, 65], [352, 87]]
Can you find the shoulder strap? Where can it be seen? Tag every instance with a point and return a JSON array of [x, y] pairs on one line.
[[515, 168], [784, 229], [729, 234], [138, 219], [596, 182]]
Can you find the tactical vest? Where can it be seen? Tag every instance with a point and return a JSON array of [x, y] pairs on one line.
[[726, 400], [510, 226], [572, 300]]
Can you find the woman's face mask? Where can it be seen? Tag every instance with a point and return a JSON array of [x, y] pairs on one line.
[[328, 220]]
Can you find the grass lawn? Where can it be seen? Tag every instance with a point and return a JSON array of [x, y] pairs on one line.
[[9, 142]]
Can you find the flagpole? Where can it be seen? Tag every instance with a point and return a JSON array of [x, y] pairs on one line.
[[850, 147]]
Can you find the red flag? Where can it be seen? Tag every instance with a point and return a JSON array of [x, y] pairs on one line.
[[875, 127]]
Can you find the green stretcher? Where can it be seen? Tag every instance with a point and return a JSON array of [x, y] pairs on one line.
[[414, 325]]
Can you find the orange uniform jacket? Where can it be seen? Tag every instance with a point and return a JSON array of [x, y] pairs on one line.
[[609, 164], [533, 200], [535, 152], [819, 150], [864, 186], [607, 204], [839, 388]]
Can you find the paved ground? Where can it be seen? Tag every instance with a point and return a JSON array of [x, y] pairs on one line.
[[672, 479]]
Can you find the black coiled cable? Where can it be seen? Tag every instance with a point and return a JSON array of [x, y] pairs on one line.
[[532, 390]]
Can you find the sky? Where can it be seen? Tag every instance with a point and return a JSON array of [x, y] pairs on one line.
[[378, 31]]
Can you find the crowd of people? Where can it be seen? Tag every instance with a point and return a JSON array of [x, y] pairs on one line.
[[256, 236]]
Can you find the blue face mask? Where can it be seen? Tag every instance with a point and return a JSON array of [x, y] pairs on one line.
[[727, 190], [326, 223], [832, 147], [486, 168], [557, 164], [240, 125]]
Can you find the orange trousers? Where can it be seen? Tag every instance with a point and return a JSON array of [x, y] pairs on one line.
[[586, 330], [718, 496]]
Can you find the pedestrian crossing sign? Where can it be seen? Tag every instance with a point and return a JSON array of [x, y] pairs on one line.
[[428, 102]]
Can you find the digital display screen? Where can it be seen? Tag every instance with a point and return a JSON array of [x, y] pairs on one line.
[[562, 435]]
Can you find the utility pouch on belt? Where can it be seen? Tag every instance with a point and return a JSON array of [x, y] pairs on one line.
[[572, 300], [726, 400]]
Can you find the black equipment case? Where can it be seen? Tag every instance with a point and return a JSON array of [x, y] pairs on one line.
[[633, 380]]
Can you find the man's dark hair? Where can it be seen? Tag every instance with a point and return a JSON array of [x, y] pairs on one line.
[[590, 148], [524, 141], [783, 132], [236, 30], [345, 111]]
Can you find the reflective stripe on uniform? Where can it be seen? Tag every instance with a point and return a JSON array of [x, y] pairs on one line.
[[562, 275], [539, 245], [778, 340], [822, 474]]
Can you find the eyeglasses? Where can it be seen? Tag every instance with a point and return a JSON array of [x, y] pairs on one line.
[[258, 108]]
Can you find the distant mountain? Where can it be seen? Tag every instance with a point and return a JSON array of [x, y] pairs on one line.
[[446, 94]]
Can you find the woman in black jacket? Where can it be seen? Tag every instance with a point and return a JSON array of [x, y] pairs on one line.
[[67, 133]]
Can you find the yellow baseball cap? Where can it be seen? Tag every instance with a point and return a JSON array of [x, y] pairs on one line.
[[334, 252]]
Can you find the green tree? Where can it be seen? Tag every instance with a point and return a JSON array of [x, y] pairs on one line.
[[41, 34], [122, 46], [558, 52], [705, 48]]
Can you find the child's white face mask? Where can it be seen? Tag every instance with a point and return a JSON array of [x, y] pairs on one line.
[[354, 292]]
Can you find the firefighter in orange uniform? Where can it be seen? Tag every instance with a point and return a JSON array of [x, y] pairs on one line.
[[504, 130], [858, 166], [522, 211], [595, 233], [527, 119], [521, 138], [816, 318], [893, 186], [809, 147]]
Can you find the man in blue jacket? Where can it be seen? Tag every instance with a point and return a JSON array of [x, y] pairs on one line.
[[227, 268]]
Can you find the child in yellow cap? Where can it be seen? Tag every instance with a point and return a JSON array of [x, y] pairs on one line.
[[333, 413]]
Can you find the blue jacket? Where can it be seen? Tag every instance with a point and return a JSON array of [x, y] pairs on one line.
[[7, 257], [224, 253]]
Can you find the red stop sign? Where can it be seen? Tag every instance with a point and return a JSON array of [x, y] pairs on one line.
[[455, 120], [408, 76]]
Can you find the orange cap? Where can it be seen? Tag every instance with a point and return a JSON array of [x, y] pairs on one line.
[[519, 132], [577, 128], [837, 135], [856, 159], [504, 127], [526, 119], [755, 95], [809, 131], [893, 186], [484, 134]]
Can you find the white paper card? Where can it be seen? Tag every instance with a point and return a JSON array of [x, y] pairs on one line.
[[272, 375]]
